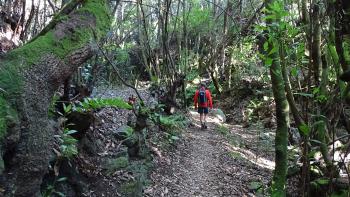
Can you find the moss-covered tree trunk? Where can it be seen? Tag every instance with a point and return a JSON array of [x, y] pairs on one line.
[[281, 140], [282, 108], [29, 76]]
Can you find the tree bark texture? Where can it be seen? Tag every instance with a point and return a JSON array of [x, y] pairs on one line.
[[29, 76]]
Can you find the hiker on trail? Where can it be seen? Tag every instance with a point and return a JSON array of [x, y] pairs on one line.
[[202, 101]]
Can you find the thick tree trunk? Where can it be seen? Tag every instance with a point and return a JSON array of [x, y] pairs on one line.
[[29, 76]]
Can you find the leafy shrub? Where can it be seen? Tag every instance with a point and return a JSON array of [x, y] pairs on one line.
[[68, 147], [50, 190], [190, 93]]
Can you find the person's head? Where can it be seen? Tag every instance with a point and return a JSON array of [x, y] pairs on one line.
[[202, 85]]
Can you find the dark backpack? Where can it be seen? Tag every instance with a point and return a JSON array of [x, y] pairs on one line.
[[202, 96]]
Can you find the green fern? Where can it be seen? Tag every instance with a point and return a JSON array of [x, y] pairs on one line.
[[98, 103], [173, 122]]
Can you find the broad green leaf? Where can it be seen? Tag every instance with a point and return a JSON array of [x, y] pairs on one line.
[[304, 129], [268, 61]]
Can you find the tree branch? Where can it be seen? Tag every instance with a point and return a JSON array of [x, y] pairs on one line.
[[118, 74], [68, 8]]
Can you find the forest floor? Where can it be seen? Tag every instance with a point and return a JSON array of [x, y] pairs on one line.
[[223, 160]]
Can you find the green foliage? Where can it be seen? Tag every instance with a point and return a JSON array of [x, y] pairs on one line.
[[346, 49], [122, 62], [190, 92], [172, 125], [97, 103], [244, 61], [68, 144], [50, 190], [172, 136], [52, 107], [200, 21], [318, 95], [256, 107], [173, 122], [320, 182], [280, 31], [341, 193], [304, 129], [192, 75]]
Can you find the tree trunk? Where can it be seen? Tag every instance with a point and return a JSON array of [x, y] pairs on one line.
[[316, 44], [29, 77], [281, 141], [282, 116], [227, 23]]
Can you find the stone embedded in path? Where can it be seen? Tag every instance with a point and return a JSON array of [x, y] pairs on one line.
[[218, 113]]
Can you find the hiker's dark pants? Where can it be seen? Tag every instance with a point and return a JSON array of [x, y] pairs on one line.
[[202, 110]]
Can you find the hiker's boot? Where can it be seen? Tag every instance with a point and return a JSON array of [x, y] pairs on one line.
[[205, 126], [202, 126]]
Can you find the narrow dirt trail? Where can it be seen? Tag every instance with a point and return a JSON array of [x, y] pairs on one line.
[[197, 164], [202, 166]]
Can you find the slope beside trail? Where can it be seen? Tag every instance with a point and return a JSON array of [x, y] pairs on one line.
[[222, 160]]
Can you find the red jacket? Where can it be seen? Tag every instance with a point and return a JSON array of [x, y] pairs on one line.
[[209, 100]]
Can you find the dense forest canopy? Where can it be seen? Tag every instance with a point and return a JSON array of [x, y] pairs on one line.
[[280, 64]]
